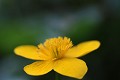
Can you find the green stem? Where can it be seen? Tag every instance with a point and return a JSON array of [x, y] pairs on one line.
[[57, 76]]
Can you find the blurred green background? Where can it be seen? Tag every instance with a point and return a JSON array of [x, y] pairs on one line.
[[33, 21]]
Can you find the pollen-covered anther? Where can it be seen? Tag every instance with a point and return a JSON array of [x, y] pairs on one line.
[[56, 46]]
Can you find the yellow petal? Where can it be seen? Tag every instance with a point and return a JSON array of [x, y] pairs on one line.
[[39, 68], [82, 49], [71, 67], [27, 51]]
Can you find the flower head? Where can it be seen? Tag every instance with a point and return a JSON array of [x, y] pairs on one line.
[[57, 54]]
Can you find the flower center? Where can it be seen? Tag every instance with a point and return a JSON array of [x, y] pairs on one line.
[[56, 46]]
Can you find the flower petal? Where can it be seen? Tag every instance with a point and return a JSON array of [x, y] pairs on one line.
[[82, 49], [71, 67], [39, 68], [27, 51]]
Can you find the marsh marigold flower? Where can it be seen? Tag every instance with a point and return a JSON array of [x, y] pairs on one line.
[[57, 54]]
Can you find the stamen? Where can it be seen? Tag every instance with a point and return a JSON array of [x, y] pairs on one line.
[[56, 46]]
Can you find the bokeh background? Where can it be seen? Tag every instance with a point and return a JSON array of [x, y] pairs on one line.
[[33, 21]]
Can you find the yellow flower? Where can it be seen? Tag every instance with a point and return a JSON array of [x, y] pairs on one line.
[[57, 54]]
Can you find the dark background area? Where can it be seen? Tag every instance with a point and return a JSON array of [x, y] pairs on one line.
[[32, 21]]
